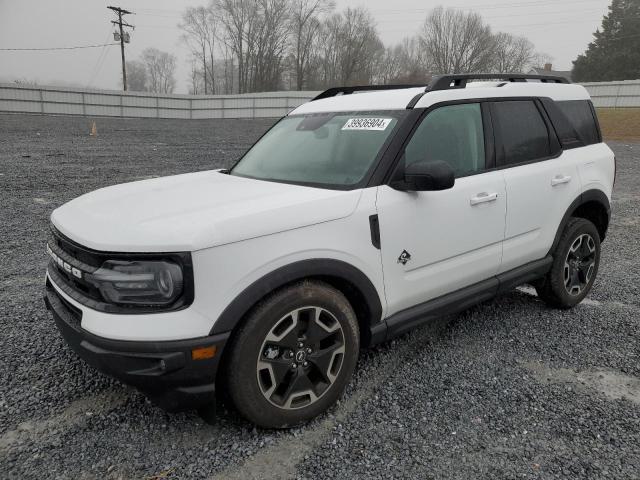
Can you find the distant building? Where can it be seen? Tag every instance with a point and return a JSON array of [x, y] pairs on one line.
[[548, 70]]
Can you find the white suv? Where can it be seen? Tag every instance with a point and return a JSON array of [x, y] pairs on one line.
[[361, 215]]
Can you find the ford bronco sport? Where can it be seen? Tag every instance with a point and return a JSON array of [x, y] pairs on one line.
[[357, 217]]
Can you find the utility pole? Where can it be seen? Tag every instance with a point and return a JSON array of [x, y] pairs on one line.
[[123, 38]]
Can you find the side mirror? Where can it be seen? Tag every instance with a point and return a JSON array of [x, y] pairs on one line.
[[428, 176]]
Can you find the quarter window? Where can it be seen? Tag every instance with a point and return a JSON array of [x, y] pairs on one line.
[[522, 130], [581, 117], [453, 134]]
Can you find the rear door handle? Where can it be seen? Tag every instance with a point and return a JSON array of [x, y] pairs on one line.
[[560, 179], [484, 197]]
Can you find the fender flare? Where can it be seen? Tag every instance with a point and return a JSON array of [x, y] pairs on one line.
[[593, 195], [319, 267]]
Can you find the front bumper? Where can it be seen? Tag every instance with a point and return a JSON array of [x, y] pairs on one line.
[[163, 370]]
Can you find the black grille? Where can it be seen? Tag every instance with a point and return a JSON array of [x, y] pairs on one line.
[[85, 261], [88, 259]]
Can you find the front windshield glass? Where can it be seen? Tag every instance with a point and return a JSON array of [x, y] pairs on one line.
[[329, 149]]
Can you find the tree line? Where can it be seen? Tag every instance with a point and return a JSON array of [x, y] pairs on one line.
[[614, 53], [242, 46]]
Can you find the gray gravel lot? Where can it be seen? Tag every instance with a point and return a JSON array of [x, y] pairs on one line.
[[510, 389]]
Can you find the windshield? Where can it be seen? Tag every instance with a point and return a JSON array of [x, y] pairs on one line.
[[329, 149]]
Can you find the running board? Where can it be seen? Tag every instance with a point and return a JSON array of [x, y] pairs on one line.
[[459, 300]]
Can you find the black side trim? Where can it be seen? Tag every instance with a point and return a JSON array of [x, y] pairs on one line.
[[459, 300], [374, 225], [524, 274], [588, 196], [454, 302], [320, 267]]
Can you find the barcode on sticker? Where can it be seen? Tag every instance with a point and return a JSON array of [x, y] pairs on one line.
[[367, 124]]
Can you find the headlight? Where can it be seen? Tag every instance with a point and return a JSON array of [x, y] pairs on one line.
[[150, 283]]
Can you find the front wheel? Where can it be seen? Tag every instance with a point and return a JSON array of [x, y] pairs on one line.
[[294, 355], [575, 265]]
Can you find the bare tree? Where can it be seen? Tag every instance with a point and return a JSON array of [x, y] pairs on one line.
[[256, 32], [349, 48], [388, 65], [136, 76], [272, 37], [360, 44], [228, 69], [199, 26], [457, 42], [161, 67], [414, 63], [512, 54], [305, 25], [238, 22], [196, 77]]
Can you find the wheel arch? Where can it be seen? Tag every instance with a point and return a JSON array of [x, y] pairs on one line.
[[346, 278], [592, 205]]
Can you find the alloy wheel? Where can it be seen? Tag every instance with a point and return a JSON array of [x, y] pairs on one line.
[[300, 357], [579, 264]]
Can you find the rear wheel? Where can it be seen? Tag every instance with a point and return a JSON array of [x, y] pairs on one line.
[[294, 356], [575, 265]]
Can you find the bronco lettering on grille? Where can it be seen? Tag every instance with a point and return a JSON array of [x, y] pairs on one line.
[[64, 265]]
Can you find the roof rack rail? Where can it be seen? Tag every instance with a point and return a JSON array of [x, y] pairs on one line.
[[333, 92], [446, 82]]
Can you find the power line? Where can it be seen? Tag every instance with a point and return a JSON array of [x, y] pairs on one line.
[[490, 6], [512, 15], [55, 48], [98, 66]]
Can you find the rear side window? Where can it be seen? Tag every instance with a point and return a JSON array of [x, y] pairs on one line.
[[522, 131], [581, 117]]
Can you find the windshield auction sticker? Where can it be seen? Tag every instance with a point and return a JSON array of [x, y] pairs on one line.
[[367, 124]]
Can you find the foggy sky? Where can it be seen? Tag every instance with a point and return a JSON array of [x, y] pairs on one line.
[[561, 29]]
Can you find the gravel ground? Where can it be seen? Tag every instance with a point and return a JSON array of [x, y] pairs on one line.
[[510, 389]]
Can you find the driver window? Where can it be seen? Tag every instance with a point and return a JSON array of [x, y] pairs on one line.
[[453, 134]]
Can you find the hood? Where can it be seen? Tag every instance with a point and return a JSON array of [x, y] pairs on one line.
[[195, 211]]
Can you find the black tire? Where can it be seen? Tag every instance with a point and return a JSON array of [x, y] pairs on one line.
[[256, 391], [557, 288]]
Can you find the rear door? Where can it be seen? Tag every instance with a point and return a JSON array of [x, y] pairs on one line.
[[541, 181]]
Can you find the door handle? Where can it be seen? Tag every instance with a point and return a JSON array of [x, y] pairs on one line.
[[560, 179], [484, 197]]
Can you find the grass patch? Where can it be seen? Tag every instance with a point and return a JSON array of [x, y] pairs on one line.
[[620, 123]]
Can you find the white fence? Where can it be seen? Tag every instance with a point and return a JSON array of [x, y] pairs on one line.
[[109, 103], [615, 94]]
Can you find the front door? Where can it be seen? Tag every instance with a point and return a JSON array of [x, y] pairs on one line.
[[434, 243]]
